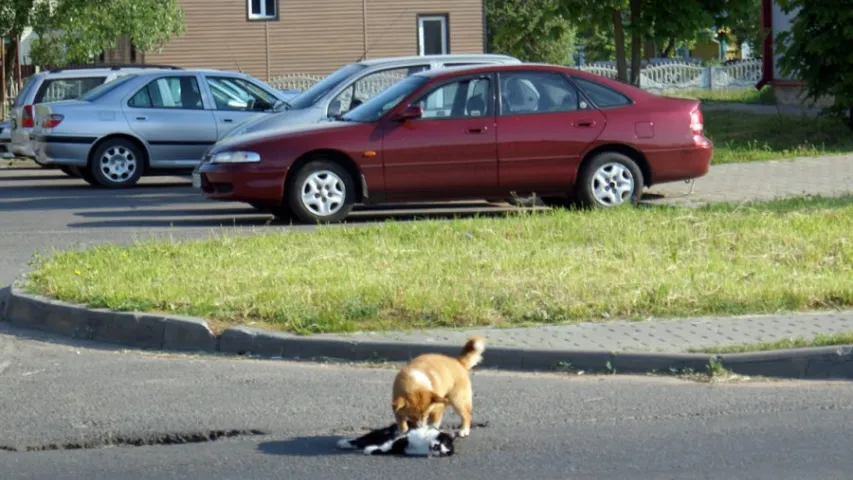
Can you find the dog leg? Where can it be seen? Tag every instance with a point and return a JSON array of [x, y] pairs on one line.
[[435, 416], [463, 404]]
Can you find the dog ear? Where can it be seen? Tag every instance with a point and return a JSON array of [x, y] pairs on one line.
[[398, 404]]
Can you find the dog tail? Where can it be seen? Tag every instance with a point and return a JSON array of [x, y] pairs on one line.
[[472, 352]]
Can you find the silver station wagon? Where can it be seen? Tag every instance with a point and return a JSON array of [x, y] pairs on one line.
[[148, 122]]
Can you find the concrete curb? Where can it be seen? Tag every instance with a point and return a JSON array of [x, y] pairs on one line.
[[187, 334]]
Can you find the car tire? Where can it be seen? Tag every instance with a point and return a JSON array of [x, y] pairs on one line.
[[117, 163], [322, 191], [610, 179]]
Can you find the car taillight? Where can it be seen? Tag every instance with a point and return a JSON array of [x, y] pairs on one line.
[[52, 120], [27, 118], [697, 121]]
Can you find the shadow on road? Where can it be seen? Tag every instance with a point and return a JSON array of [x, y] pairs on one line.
[[304, 447]]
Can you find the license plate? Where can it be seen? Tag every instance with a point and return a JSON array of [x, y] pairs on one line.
[[196, 180]]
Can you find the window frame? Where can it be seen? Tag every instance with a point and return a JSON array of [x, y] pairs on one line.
[[445, 31], [491, 104], [582, 97], [262, 17], [204, 106]]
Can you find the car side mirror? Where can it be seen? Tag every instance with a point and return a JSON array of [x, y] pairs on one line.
[[335, 109], [412, 112]]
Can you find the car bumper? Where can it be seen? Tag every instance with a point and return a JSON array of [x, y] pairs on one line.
[[678, 165], [20, 144], [57, 150], [240, 183]]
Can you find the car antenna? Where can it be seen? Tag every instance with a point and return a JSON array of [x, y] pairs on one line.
[[234, 58]]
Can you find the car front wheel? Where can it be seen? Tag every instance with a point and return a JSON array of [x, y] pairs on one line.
[[610, 179], [117, 163], [321, 192]]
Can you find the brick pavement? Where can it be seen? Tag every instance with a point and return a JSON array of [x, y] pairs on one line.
[[828, 176]]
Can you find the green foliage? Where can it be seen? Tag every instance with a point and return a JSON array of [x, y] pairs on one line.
[[816, 49], [531, 30], [73, 31]]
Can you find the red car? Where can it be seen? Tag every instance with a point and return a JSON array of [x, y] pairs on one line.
[[486, 132]]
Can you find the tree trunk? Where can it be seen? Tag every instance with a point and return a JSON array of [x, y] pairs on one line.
[[619, 38], [667, 50], [636, 42]]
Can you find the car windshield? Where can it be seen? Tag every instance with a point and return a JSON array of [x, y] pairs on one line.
[[105, 88], [312, 95], [373, 109]]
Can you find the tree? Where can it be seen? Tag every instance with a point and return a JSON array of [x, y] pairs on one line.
[[14, 18], [73, 31], [816, 48], [531, 30]]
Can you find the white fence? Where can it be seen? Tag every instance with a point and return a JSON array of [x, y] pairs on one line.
[[685, 75]]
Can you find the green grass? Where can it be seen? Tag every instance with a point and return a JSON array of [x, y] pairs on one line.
[[734, 95], [741, 137], [845, 338], [550, 267]]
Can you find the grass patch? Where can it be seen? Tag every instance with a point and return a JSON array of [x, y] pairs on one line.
[[549, 267], [749, 96], [751, 137], [819, 341]]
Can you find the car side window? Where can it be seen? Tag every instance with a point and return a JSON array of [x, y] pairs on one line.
[[602, 96], [464, 98], [58, 89], [169, 92], [538, 92], [371, 85], [238, 94]]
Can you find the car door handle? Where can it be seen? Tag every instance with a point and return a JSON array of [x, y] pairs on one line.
[[585, 124], [476, 130], [141, 118], [228, 120]]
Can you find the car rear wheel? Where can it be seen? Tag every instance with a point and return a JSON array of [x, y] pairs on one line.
[[117, 163], [321, 192], [610, 179]]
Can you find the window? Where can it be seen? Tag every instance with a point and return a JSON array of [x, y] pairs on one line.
[[464, 98], [312, 95], [371, 85], [169, 92], [98, 92], [538, 92], [433, 36], [239, 94], [263, 9], [58, 89], [22, 95], [379, 105], [602, 96]]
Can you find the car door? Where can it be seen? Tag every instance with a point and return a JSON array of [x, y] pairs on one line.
[[543, 127], [168, 113], [235, 100], [448, 153]]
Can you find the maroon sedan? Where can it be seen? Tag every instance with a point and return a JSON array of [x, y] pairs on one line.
[[487, 132]]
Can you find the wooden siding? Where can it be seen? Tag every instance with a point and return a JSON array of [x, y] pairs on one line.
[[312, 36]]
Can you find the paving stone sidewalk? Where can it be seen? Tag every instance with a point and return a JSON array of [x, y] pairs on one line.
[[830, 176], [658, 335]]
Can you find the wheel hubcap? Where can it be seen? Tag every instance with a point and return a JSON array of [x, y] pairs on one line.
[[612, 184], [118, 164], [323, 193]]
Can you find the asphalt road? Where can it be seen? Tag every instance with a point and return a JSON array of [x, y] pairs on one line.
[[534, 426], [59, 396]]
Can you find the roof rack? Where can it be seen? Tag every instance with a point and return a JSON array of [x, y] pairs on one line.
[[111, 67]]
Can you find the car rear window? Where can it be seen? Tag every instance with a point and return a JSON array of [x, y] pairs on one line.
[[22, 95], [57, 89], [602, 96]]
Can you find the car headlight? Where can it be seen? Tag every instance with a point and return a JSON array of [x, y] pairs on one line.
[[236, 157]]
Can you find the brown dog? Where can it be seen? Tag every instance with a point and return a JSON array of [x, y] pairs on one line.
[[424, 387]]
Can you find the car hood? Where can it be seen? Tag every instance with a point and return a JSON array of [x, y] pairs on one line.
[[274, 121], [281, 133]]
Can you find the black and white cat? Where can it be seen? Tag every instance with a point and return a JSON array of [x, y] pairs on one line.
[[417, 442]]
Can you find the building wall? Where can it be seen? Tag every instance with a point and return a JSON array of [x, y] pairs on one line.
[[312, 36]]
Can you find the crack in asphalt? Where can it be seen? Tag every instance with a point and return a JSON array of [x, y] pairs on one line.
[[139, 441]]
